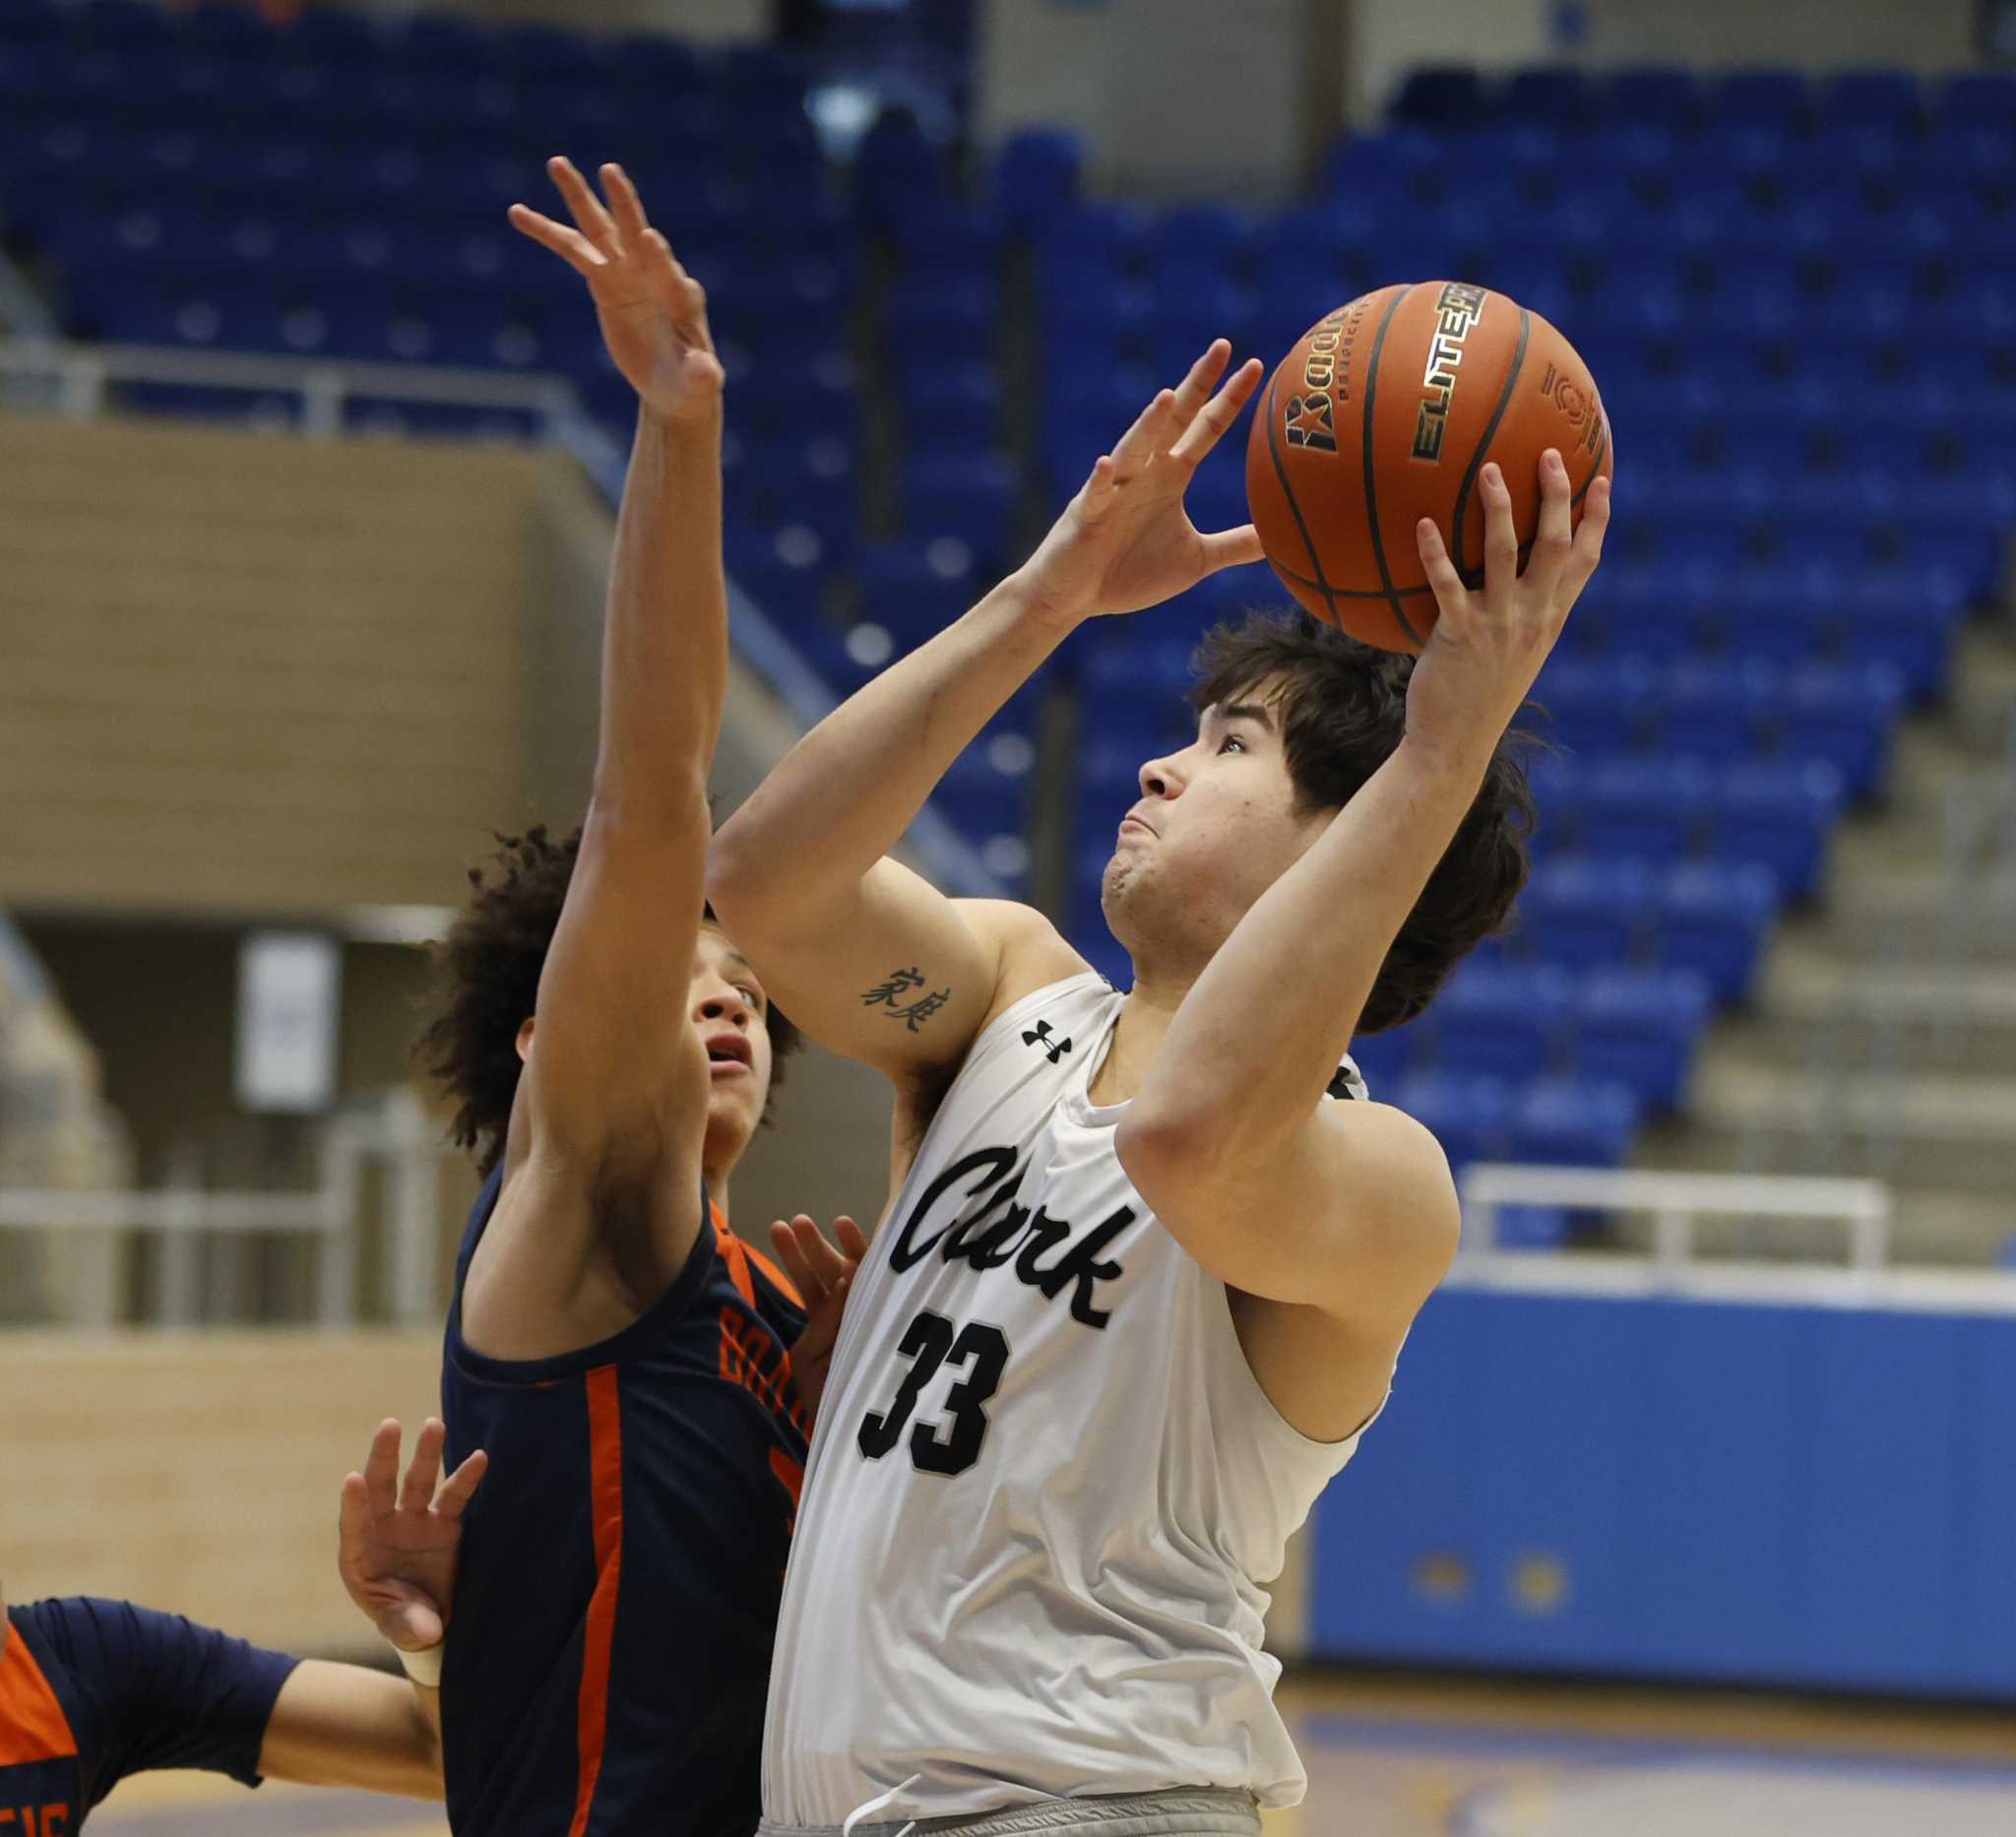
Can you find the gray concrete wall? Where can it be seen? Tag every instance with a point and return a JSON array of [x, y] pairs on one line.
[[1180, 98]]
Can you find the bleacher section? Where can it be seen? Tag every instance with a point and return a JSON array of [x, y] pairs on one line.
[[1799, 298]]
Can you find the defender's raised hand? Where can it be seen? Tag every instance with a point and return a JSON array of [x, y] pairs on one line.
[[1125, 541], [1488, 647], [397, 1540], [653, 312], [822, 1275]]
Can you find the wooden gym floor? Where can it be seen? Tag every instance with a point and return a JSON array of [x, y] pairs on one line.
[[1441, 1757]]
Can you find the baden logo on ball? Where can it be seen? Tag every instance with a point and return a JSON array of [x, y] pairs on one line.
[[1385, 412]]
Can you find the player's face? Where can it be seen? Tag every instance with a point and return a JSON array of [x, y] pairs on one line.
[[727, 1006], [1215, 826]]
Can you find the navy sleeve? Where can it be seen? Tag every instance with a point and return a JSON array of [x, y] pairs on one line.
[[163, 1691]]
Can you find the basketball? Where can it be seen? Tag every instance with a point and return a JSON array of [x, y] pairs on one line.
[[1385, 412]]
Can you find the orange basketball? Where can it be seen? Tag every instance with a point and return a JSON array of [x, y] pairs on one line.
[[1384, 413]]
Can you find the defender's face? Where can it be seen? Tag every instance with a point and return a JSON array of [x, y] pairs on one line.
[[728, 1007], [1215, 827]]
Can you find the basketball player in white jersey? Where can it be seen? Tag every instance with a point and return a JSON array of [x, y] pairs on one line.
[[1143, 1279]]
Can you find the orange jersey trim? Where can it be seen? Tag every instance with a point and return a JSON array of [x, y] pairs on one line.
[[606, 1488], [32, 1725], [741, 1256]]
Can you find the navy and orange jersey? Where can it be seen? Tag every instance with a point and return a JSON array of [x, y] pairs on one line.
[[622, 1562], [92, 1691]]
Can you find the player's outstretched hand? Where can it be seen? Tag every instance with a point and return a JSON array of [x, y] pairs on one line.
[[653, 312], [1480, 659], [1125, 541], [822, 1275], [396, 1539]]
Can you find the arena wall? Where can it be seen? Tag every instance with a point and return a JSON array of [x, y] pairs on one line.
[[198, 1474]]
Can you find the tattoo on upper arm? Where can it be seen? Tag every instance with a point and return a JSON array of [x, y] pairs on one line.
[[888, 996]]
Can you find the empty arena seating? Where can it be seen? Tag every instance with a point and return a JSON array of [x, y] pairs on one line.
[[1798, 295]]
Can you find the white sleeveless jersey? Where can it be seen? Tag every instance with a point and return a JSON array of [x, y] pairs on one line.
[[1046, 1487]]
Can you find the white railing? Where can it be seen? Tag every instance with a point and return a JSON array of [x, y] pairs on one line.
[[1676, 1203], [395, 1132]]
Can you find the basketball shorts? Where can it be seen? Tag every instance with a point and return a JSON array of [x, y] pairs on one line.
[[1181, 1811]]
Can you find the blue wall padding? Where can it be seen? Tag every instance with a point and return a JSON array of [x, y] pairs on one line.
[[1797, 1496]]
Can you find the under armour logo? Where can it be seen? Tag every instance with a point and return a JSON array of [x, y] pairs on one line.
[[1053, 1049]]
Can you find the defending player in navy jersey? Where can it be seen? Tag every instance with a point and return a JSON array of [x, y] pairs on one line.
[[1148, 1268], [94, 1691], [641, 1380]]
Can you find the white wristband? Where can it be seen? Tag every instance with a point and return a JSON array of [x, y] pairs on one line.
[[424, 1665]]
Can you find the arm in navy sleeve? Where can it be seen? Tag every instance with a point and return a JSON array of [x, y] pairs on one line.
[[162, 1691]]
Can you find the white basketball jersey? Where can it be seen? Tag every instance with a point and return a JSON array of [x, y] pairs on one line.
[[1046, 1487]]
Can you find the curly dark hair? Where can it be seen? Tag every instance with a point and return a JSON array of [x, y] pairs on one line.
[[489, 967], [1342, 709]]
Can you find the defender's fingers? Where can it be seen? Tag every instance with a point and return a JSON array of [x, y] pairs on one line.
[[352, 1517], [381, 1468], [1230, 548], [1452, 598], [1210, 426], [587, 210], [459, 1486], [1587, 549], [791, 1254], [416, 1489], [1195, 389], [677, 292], [624, 205], [1555, 532], [1145, 439], [851, 1243], [1501, 540], [570, 245], [819, 1250]]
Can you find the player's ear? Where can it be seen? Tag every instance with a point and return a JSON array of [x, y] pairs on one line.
[[524, 1040]]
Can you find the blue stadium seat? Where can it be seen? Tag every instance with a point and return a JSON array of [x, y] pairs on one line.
[[1872, 97], [1598, 708], [1558, 94], [1774, 98], [1656, 95], [1713, 709], [914, 590], [1638, 1027], [940, 401], [1713, 919], [1383, 1058], [1977, 98], [1585, 909], [1471, 1117], [1440, 96], [1573, 1122], [962, 492], [986, 789], [1841, 714], [1498, 1020], [1035, 177], [1649, 811], [1777, 816]]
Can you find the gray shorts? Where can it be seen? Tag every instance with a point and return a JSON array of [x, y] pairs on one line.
[[1180, 1811]]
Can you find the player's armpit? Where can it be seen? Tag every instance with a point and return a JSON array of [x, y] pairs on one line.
[[889, 970], [342, 1725], [1356, 1215]]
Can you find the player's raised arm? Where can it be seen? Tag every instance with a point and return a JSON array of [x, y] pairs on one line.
[[866, 955], [612, 1039], [1344, 1207]]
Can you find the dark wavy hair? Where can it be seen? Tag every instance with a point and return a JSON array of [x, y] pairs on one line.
[[489, 968], [1342, 709]]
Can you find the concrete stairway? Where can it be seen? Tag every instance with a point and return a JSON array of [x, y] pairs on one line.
[[1882, 1037]]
